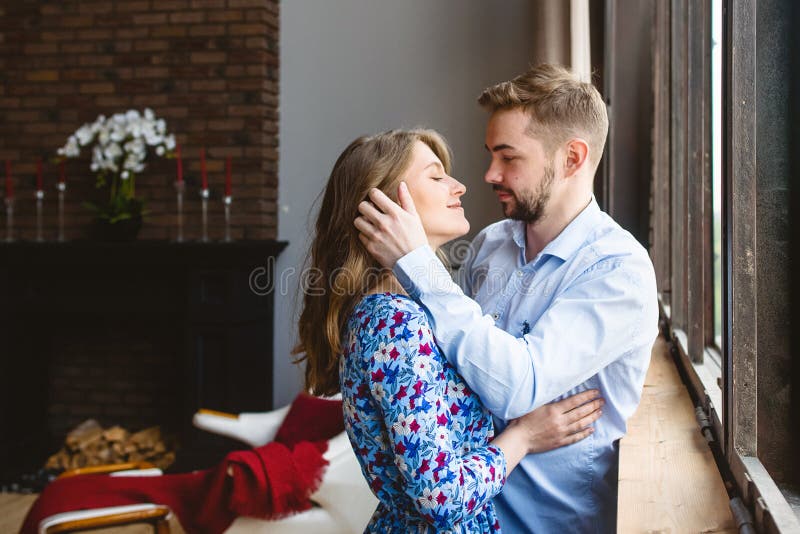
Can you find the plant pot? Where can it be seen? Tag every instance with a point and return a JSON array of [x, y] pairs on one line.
[[122, 231]]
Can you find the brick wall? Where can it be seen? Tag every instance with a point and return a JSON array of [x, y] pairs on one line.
[[209, 67], [118, 377]]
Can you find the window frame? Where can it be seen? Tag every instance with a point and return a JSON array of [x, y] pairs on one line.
[[717, 376]]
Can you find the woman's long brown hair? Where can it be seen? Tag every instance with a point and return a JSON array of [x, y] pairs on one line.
[[341, 270]]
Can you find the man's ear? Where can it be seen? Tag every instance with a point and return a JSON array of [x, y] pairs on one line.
[[577, 152]]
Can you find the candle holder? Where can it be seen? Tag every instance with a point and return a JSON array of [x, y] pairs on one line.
[[180, 187], [227, 200], [39, 200], [9, 219], [204, 196], [62, 188]]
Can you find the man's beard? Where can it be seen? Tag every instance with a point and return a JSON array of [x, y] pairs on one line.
[[529, 206]]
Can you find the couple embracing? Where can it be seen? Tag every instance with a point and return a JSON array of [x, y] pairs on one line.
[[499, 403]]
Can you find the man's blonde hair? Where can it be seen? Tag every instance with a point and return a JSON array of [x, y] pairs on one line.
[[559, 104]]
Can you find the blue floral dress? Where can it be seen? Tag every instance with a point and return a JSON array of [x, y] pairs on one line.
[[421, 435]]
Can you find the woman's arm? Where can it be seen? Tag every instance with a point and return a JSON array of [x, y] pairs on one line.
[[550, 426]]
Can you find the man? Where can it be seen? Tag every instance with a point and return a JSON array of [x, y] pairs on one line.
[[565, 299]]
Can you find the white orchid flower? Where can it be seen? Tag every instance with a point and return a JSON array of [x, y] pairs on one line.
[[117, 135], [103, 136], [120, 142], [83, 135], [139, 147], [150, 136], [71, 149], [112, 151], [135, 130]]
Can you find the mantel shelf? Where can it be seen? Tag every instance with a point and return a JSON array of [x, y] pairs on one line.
[[141, 252]]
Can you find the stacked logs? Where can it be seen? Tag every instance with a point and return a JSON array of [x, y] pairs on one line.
[[89, 444]]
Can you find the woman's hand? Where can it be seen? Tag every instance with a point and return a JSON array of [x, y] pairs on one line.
[[561, 423]]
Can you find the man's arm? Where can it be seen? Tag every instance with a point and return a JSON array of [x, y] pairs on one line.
[[602, 316], [607, 312]]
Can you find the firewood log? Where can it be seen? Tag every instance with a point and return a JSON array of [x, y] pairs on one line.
[[116, 433], [83, 434], [89, 444]]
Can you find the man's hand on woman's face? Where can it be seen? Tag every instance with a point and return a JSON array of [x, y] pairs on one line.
[[390, 231], [562, 423]]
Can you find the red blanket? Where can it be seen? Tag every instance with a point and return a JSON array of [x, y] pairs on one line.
[[268, 482]]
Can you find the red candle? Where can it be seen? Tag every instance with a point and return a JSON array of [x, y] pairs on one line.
[[203, 175], [180, 163], [62, 176], [228, 176], [39, 175], [9, 183]]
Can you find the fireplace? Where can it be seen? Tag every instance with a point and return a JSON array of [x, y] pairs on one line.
[[135, 334]]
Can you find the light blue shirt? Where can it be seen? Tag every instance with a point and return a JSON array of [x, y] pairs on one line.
[[582, 314]]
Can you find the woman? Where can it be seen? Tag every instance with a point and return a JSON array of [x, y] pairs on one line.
[[424, 441]]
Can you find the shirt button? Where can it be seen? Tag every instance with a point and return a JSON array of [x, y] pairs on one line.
[[519, 273], [495, 316]]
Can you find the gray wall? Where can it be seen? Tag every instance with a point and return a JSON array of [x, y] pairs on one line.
[[628, 92], [350, 67]]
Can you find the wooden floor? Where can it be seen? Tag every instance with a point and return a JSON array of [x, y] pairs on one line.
[[668, 481], [14, 507]]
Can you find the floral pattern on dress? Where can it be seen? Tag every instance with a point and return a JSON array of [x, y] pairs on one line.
[[421, 435]]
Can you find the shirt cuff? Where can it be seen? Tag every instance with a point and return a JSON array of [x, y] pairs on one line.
[[420, 272]]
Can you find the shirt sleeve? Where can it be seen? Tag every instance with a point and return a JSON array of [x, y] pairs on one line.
[[447, 484], [604, 314]]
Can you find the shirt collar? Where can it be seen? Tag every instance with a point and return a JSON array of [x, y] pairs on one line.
[[571, 238], [518, 233]]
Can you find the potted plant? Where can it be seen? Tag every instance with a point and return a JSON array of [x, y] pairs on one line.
[[120, 146]]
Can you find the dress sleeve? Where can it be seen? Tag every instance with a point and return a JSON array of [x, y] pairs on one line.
[[447, 483]]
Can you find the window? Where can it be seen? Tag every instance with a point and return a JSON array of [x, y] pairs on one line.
[[716, 166], [721, 179]]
